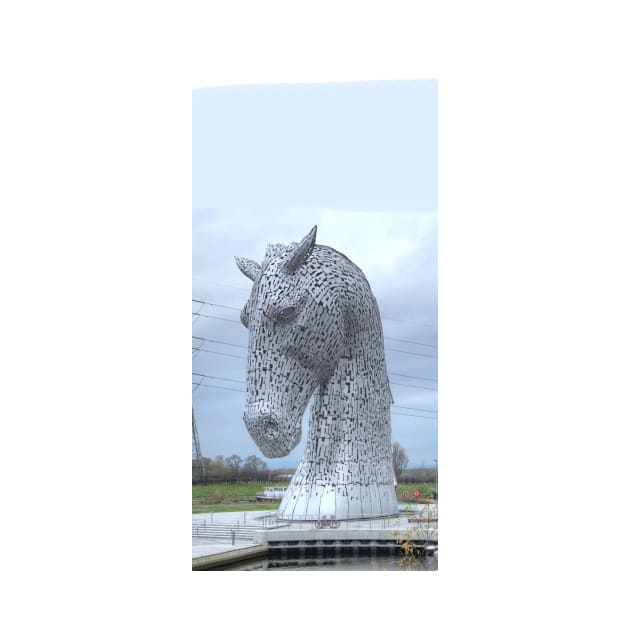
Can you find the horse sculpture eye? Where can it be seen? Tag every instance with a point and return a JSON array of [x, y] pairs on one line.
[[287, 313]]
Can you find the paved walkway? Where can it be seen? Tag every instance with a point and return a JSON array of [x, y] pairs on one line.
[[206, 546]]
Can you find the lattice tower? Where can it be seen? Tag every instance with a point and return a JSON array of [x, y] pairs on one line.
[[197, 457]]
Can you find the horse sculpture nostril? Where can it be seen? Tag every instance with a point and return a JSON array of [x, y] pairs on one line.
[[270, 426]]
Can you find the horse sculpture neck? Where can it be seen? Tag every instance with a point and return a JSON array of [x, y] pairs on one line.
[[346, 470]]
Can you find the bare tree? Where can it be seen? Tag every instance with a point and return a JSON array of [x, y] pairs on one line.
[[400, 459], [234, 462], [254, 467]]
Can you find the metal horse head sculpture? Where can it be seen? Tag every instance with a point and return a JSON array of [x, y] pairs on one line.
[[315, 330]]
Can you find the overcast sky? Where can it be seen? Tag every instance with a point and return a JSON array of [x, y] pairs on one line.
[[359, 160]]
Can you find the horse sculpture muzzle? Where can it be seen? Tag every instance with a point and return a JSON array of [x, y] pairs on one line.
[[266, 429]]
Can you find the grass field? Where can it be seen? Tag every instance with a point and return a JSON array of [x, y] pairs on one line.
[[225, 497], [405, 491], [235, 507], [229, 492]]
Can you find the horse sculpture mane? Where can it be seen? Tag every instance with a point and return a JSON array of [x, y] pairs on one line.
[[315, 331]]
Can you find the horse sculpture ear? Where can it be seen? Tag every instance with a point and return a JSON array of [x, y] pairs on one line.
[[248, 267], [302, 252]]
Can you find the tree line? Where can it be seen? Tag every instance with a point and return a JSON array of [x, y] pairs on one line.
[[252, 468], [232, 468]]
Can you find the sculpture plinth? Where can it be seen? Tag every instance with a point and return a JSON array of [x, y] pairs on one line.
[[315, 331]]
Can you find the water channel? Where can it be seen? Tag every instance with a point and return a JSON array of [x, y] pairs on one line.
[[387, 562]]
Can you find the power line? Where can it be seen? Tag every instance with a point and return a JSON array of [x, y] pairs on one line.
[[219, 387], [217, 377], [407, 321], [223, 343], [418, 343], [414, 386], [232, 308], [389, 319], [224, 354], [241, 346], [230, 389], [419, 354], [234, 321], [230, 286], [236, 356], [235, 381], [415, 409], [421, 378], [411, 415]]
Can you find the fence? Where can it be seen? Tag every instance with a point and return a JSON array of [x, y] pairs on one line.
[[233, 532], [416, 525]]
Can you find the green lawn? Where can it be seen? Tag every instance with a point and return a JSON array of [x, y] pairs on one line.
[[229, 492], [405, 491], [224, 497], [235, 507]]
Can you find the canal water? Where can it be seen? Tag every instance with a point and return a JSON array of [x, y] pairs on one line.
[[389, 562]]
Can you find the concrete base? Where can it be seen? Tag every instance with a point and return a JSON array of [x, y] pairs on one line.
[[345, 534]]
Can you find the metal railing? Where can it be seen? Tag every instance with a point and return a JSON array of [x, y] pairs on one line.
[[243, 532], [418, 524], [401, 522]]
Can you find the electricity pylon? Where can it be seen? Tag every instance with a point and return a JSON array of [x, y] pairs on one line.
[[197, 457]]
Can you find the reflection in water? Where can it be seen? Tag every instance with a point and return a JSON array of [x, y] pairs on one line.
[[375, 563]]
